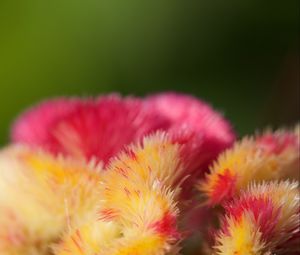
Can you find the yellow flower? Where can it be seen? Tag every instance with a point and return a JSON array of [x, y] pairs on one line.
[[271, 156], [137, 205], [40, 196]]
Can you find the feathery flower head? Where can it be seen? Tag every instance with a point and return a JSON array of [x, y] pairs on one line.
[[285, 146], [280, 141], [102, 127], [39, 196], [271, 156], [263, 220], [55, 197], [138, 200], [86, 128]]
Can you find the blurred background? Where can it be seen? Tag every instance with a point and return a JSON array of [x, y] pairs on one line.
[[241, 56]]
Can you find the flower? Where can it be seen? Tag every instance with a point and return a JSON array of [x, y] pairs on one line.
[[286, 146], [102, 127], [116, 176], [263, 220], [99, 129], [270, 156], [86, 128], [40, 195], [137, 211]]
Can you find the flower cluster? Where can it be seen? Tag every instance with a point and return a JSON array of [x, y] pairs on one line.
[[127, 176]]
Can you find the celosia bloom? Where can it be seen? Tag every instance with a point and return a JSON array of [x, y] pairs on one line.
[[271, 156], [264, 220], [56, 199], [101, 127], [86, 128], [285, 145], [137, 211], [40, 195]]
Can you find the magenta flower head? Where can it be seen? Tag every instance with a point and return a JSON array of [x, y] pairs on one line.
[[86, 128], [100, 128]]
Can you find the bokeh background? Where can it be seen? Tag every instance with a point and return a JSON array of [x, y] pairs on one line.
[[242, 56]]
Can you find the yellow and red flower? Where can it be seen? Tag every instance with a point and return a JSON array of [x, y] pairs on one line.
[[263, 220], [137, 211], [271, 156]]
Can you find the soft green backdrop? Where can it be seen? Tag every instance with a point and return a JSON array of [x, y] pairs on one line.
[[239, 55]]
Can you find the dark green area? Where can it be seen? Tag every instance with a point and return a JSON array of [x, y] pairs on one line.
[[239, 55]]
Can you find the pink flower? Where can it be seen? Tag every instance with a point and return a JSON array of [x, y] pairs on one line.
[[100, 128], [86, 128]]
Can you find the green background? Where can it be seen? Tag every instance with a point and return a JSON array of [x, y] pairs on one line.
[[242, 56]]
